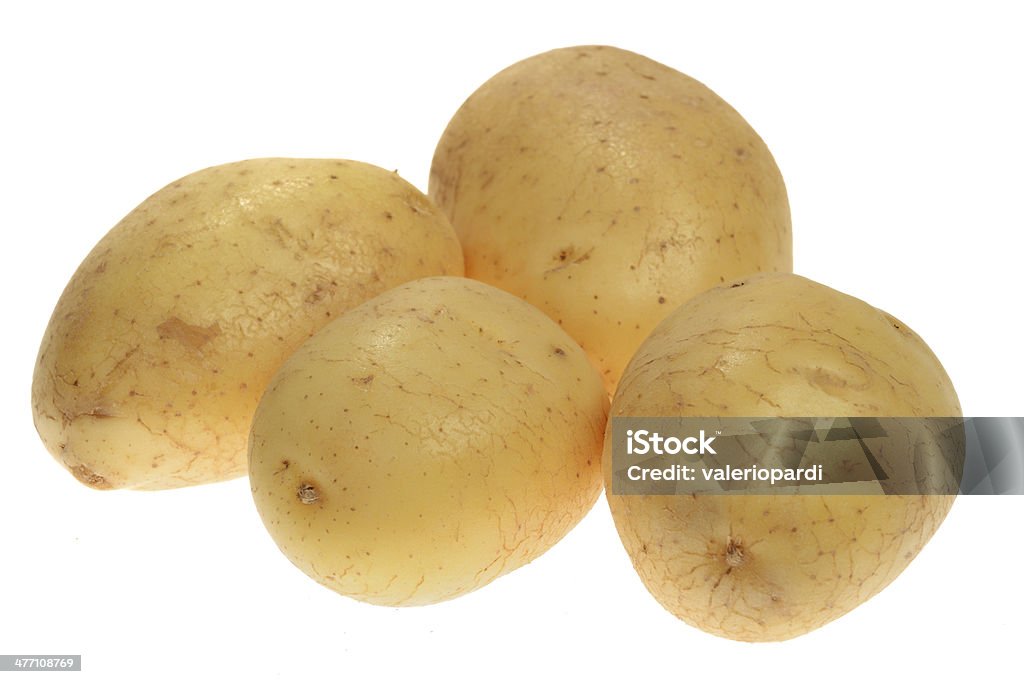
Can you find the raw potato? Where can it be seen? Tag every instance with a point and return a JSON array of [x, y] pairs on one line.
[[607, 189], [162, 343], [427, 442], [759, 567]]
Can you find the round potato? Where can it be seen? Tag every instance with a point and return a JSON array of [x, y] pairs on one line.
[[162, 343], [607, 189], [427, 442], [771, 567]]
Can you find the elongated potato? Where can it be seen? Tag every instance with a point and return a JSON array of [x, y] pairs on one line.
[[427, 442], [162, 343], [771, 567], [607, 189]]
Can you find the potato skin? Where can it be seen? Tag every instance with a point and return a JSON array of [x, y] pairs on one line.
[[607, 189], [164, 339], [767, 568], [427, 442]]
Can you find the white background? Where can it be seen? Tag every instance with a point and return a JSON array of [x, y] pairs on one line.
[[897, 128]]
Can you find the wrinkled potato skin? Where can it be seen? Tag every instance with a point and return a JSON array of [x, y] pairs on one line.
[[427, 442], [767, 568], [163, 341], [607, 189]]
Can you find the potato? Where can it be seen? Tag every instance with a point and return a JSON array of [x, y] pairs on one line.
[[607, 189], [162, 343], [426, 442], [771, 567]]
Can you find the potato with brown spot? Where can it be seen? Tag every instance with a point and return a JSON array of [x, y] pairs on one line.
[[771, 567], [607, 189], [435, 438], [162, 343]]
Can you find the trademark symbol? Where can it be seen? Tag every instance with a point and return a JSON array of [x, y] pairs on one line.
[[718, 432]]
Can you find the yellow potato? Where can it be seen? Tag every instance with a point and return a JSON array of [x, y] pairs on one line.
[[162, 343], [426, 442], [771, 567], [607, 189]]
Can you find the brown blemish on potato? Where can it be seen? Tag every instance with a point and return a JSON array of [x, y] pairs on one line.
[[734, 553], [321, 291], [896, 324], [365, 381], [308, 494], [94, 412], [415, 203], [194, 336], [88, 477], [569, 256], [824, 379]]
